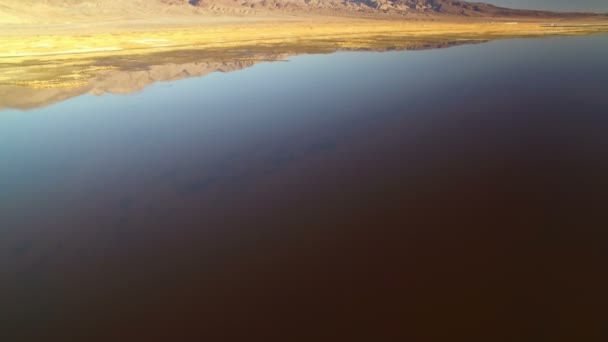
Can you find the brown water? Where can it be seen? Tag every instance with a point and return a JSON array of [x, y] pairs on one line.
[[457, 194]]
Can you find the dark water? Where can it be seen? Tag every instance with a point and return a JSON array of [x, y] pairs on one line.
[[457, 194]]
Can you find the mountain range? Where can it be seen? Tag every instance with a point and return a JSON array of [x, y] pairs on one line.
[[32, 11]]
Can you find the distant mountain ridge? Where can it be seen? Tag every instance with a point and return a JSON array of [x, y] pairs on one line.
[[429, 7], [34, 10]]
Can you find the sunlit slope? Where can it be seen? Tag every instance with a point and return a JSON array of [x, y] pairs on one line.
[[47, 11], [59, 11]]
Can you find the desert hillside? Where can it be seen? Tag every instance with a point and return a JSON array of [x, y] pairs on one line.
[[49, 11]]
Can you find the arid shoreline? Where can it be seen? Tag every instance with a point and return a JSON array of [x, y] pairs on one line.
[[67, 63], [66, 41]]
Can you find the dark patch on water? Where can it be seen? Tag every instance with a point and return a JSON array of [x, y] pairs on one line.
[[23, 247], [325, 146], [126, 203], [121, 223], [197, 186], [282, 159]]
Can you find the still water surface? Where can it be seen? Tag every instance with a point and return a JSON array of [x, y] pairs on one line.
[[432, 195]]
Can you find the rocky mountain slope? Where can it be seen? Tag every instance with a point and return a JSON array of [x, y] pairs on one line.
[[404, 7], [17, 11]]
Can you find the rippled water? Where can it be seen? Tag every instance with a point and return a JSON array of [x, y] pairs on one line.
[[432, 195]]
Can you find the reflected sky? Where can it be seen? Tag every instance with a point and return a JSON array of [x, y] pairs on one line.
[[411, 190]]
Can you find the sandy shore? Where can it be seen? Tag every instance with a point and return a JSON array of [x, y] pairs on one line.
[[76, 40], [85, 56]]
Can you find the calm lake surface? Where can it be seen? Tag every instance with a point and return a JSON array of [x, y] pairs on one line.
[[454, 194]]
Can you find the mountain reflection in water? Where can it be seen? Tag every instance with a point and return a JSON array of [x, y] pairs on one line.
[[40, 83]]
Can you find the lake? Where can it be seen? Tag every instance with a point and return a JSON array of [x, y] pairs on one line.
[[450, 194]]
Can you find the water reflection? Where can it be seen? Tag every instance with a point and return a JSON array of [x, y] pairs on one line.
[[38, 83], [434, 195]]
